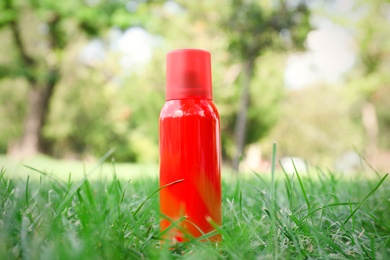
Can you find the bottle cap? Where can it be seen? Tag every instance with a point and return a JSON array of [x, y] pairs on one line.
[[188, 74]]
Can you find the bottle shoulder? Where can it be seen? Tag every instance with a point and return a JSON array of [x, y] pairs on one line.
[[189, 107]]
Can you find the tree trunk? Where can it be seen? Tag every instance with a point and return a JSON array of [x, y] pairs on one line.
[[31, 142], [240, 130], [370, 123], [40, 92]]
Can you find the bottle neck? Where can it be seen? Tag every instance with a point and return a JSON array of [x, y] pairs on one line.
[[189, 98]]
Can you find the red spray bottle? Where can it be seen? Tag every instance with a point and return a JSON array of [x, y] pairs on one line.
[[189, 149]]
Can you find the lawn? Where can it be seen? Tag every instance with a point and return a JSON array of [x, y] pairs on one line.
[[110, 212]]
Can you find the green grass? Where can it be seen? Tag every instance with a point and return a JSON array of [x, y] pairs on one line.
[[60, 169], [321, 215]]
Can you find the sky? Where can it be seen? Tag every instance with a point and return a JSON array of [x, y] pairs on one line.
[[330, 54], [331, 50], [135, 46]]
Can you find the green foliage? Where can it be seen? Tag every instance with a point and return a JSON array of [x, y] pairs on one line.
[[140, 99], [94, 17], [79, 121], [373, 38], [266, 93], [12, 100], [253, 29], [43, 35], [62, 20], [6, 15], [256, 26], [373, 88], [381, 100], [90, 115], [368, 81]]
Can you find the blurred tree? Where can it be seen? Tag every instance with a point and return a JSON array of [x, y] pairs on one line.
[[80, 123], [315, 125], [142, 96], [12, 110], [253, 28], [374, 48], [98, 108], [41, 30], [369, 82], [324, 122]]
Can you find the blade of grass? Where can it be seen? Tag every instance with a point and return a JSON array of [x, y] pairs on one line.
[[292, 235], [379, 221], [124, 191], [195, 226], [364, 249], [24, 239], [154, 192], [289, 186], [26, 192], [273, 190], [302, 187], [372, 245], [272, 234], [69, 184], [300, 223], [328, 206], [87, 189], [2, 173], [265, 183], [353, 218], [240, 202], [47, 175], [330, 243], [205, 237], [76, 187], [369, 164], [365, 198], [174, 224]]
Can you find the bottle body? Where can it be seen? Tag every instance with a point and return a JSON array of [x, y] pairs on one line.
[[190, 151]]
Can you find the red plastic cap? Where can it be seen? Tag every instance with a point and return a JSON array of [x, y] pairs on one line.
[[188, 74]]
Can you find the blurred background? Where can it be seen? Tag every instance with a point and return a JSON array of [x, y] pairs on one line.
[[80, 77]]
